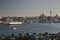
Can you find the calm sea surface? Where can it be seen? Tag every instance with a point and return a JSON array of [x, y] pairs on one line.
[[30, 28]]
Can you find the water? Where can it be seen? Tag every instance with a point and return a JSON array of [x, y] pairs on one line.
[[30, 28]]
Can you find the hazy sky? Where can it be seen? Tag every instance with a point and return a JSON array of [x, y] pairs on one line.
[[29, 7]]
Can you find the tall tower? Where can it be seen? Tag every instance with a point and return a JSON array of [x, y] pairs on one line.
[[50, 13], [51, 21]]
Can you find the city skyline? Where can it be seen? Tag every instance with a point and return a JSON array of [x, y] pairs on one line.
[[29, 7]]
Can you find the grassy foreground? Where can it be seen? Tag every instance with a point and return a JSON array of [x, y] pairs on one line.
[[27, 36]]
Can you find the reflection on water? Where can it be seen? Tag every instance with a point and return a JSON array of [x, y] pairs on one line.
[[30, 28]]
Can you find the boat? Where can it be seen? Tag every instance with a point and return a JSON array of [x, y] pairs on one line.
[[15, 23], [52, 23], [14, 28]]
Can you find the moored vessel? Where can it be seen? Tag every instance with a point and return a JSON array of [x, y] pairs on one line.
[[15, 23]]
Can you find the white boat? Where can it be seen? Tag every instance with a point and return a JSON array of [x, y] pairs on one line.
[[14, 28], [15, 22]]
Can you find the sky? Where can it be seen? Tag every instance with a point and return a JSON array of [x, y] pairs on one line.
[[29, 7]]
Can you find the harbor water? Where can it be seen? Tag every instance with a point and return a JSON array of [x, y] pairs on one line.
[[29, 28]]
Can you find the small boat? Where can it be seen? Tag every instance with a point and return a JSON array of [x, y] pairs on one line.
[[14, 28], [52, 23]]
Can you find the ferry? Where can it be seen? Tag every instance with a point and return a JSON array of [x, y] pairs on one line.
[[15, 23]]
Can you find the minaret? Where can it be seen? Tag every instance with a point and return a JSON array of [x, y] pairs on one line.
[[50, 13], [51, 17]]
